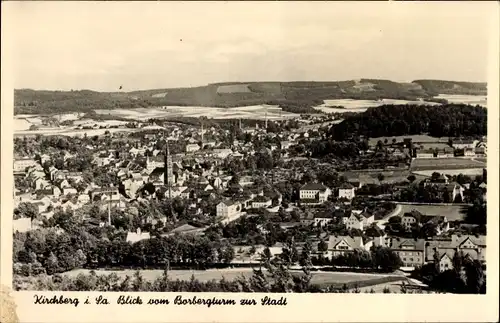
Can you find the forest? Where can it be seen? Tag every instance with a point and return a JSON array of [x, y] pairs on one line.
[[449, 120]]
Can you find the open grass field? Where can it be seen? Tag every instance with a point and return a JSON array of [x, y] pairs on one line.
[[452, 212], [321, 278], [445, 164]]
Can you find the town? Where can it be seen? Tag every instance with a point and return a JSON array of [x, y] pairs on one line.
[[240, 194]]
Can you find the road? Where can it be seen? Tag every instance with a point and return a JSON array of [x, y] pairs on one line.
[[396, 211]]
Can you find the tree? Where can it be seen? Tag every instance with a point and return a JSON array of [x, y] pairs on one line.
[[322, 246], [52, 264], [26, 210], [386, 259], [475, 276]]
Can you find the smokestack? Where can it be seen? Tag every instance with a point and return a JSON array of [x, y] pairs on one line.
[[202, 133], [240, 123], [266, 117]]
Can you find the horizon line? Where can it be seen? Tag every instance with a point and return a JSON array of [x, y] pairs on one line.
[[240, 82]]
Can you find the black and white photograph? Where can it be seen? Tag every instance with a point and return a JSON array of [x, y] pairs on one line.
[[267, 147]]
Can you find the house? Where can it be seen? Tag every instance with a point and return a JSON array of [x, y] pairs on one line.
[[315, 192], [446, 153], [480, 151], [482, 147], [20, 164], [228, 209], [471, 246], [192, 148], [69, 191], [285, 144], [261, 201], [469, 152], [410, 251], [341, 245], [445, 262], [155, 162], [347, 191], [222, 153], [137, 236], [425, 153], [359, 220], [322, 219], [464, 143]]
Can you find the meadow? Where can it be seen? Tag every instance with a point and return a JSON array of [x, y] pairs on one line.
[[435, 164], [320, 278]]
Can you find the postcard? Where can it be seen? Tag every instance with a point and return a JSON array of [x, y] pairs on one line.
[[249, 161]]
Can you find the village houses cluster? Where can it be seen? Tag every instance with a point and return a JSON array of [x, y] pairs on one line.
[[195, 175]]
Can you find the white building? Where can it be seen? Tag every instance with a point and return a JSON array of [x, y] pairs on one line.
[[347, 191], [192, 147], [228, 209], [315, 191], [20, 164]]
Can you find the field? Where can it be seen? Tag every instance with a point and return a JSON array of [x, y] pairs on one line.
[[415, 139], [466, 171], [350, 105], [452, 212], [368, 177], [444, 164], [467, 99], [257, 112], [231, 274], [70, 132], [233, 88]]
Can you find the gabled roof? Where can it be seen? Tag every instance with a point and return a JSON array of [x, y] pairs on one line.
[[313, 187], [400, 243], [353, 242], [346, 186]]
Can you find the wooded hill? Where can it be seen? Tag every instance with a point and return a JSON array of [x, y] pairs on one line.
[[398, 120], [292, 96]]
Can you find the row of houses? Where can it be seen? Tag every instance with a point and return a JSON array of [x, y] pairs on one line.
[[413, 252]]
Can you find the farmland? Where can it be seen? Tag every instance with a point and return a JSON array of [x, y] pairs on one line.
[[350, 105], [452, 212], [467, 99], [257, 112], [320, 278], [435, 164]]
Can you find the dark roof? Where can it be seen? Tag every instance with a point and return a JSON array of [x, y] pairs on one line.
[[314, 187]]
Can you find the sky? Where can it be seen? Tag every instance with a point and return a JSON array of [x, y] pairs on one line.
[[104, 45]]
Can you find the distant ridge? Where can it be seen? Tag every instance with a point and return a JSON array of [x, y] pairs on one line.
[[298, 94]]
